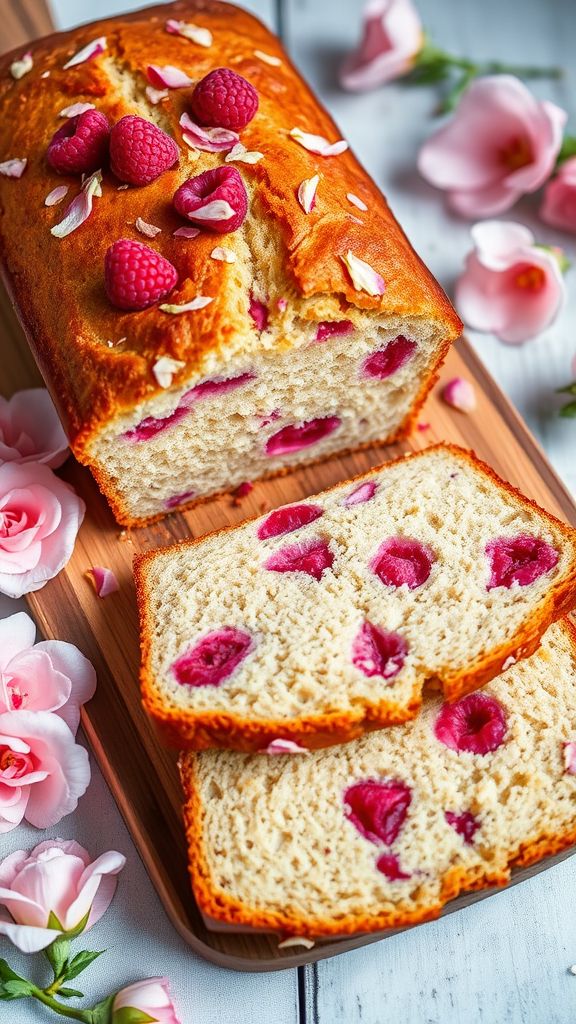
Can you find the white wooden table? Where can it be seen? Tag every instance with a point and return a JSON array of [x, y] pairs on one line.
[[506, 960]]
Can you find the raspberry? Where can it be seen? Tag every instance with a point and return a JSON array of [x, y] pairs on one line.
[[213, 658], [286, 520], [259, 313], [476, 723], [378, 809], [388, 360], [153, 425], [136, 276], [389, 865], [81, 145], [214, 388], [140, 151], [224, 99], [402, 560], [377, 652], [294, 438], [522, 560], [333, 329], [365, 492], [311, 557], [215, 199], [465, 824]]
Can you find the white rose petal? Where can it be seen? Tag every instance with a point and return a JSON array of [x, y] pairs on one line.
[[80, 208], [356, 201], [150, 230], [187, 307], [75, 109], [164, 370], [307, 193], [19, 68], [156, 95], [239, 154], [13, 168], [196, 34], [218, 209], [56, 195], [93, 49], [223, 254], [364, 277], [317, 143], [274, 62]]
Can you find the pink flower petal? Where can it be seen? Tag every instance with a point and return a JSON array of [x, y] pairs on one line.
[[317, 143], [186, 233], [460, 394], [105, 581], [88, 52], [284, 747], [19, 68], [211, 140], [168, 77], [570, 757], [150, 230], [392, 38], [13, 168], [56, 195], [156, 95], [17, 634], [559, 205], [30, 430], [307, 193], [80, 208], [75, 109], [194, 33], [363, 276]]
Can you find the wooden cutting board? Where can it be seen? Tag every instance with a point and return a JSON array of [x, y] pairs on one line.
[[140, 772]]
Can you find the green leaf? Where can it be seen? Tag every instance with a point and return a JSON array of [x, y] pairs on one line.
[[57, 954], [569, 411], [567, 149], [74, 932], [54, 923], [570, 389], [131, 1015], [70, 993], [6, 972], [18, 988], [81, 961], [102, 1012]]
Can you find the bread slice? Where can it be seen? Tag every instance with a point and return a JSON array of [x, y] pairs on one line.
[[294, 358], [384, 831], [238, 652]]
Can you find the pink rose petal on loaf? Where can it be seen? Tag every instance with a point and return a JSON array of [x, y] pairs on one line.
[[570, 757], [295, 437], [75, 109], [168, 77], [105, 581], [520, 560], [80, 208], [213, 658], [365, 492], [210, 140], [363, 276], [287, 519], [475, 724], [88, 52], [13, 168], [318, 144], [186, 232], [194, 33], [378, 652], [403, 561], [56, 195], [460, 394], [312, 557], [378, 809], [284, 747]]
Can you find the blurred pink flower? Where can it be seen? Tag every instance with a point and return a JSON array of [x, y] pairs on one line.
[[150, 996], [39, 518], [559, 205], [510, 286], [30, 430], [55, 878], [392, 39], [43, 772], [49, 676], [501, 143]]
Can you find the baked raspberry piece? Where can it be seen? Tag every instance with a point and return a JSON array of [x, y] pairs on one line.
[[259, 313], [403, 560], [286, 520], [140, 151], [476, 723], [388, 360], [136, 276], [215, 199], [361, 494], [294, 438], [389, 865], [81, 145], [378, 652], [311, 556], [223, 99], [378, 809], [521, 560], [333, 329], [465, 824], [213, 659]]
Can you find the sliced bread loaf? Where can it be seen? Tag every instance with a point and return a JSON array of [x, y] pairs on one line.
[[382, 832], [324, 619]]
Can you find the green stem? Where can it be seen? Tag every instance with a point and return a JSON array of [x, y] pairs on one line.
[[65, 1011]]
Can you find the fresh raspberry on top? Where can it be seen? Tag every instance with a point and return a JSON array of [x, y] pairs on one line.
[[224, 99], [215, 199], [140, 151], [137, 276], [81, 145]]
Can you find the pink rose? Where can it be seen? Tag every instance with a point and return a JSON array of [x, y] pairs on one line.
[[150, 997], [510, 286], [39, 518], [56, 878], [559, 206], [49, 676], [30, 430], [501, 143], [43, 772], [392, 39]]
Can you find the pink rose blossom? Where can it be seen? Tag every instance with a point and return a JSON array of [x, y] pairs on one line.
[[39, 518], [500, 144], [43, 772], [559, 206], [55, 878], [30, 430], [510, 286], [150, 996], [391, 40], [49, 676]]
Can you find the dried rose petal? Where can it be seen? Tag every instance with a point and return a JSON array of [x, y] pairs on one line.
[[211, 140], [80, 208], [186, 233], [164, 370], [104, 580], [359, 203], [284, 747], [150, 230], [363, 276], [317, 143], [223, 254], [56, 195], [460, 394], [93, 49], [186, 307], [75, 109], [168, 77], [240, 154], [194, 33], [307, 193], [299, 940], [19, 68], [13, 168], [363, 493], [570, 757], [156, 95], [274, 62]]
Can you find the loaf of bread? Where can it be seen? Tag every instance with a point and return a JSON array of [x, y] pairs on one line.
[[309, 332], [325, 619], [384, 831]]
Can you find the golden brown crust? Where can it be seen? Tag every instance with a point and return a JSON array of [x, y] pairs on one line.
[[218, 905], [69, 331], [200, 730]]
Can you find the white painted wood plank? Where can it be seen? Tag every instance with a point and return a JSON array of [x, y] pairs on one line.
[[386, 128], [68, 13], [506, 959]]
